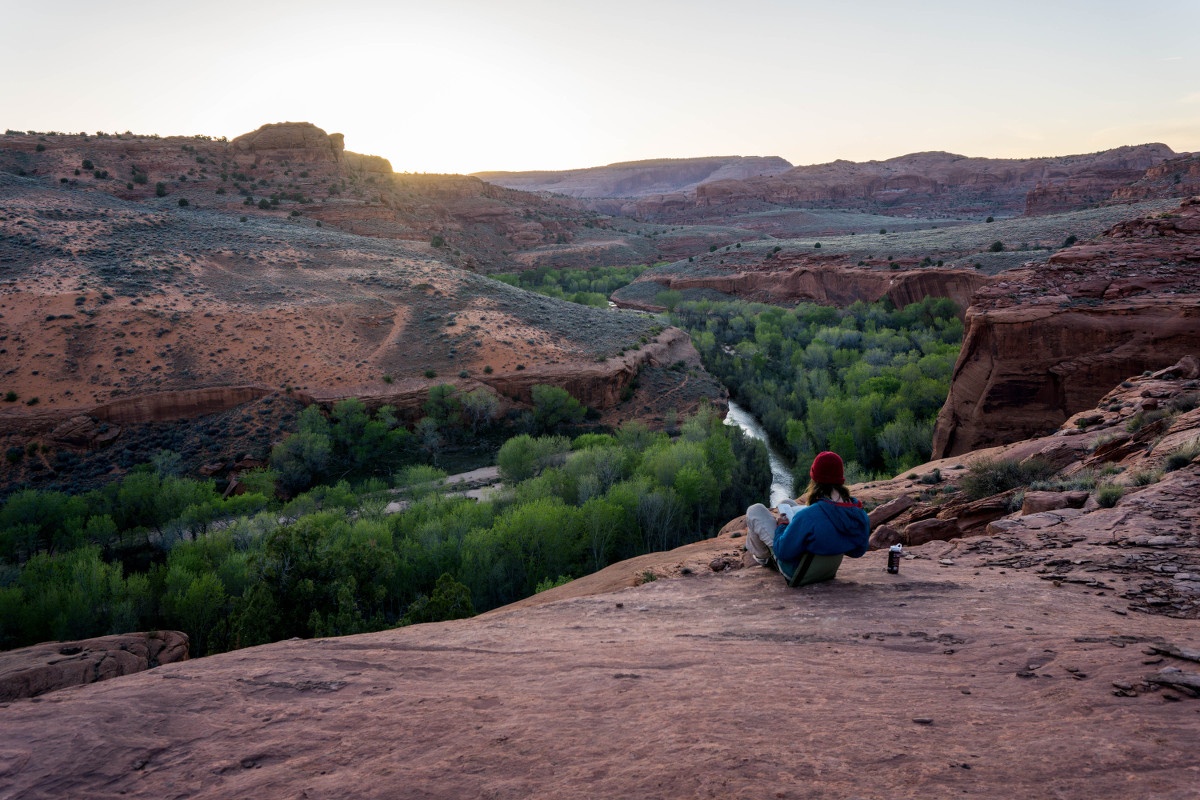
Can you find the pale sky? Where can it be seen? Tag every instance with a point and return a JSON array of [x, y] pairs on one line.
[[471, 85]]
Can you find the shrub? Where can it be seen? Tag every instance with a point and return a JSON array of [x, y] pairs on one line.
[[40, 148], [523, 457], [1181, 456], [429, 373], [931, 477], [183, 203], [87, 164], [1108, 495], [1185, 402], [160, 189], [549, 583], [997, 246], [1143, 418], [1145, 477], [10, 396], [1070, 240], [990, 219], [449, 600], [668, 299], [554, 406], [264, 204], [989, 477]]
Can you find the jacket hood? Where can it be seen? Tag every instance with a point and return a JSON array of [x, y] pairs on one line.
[[846, 519]]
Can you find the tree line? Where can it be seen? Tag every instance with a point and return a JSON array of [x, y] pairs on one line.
[[159, 550]]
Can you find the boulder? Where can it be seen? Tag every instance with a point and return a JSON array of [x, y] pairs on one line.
[[885, 536], [972, 516], [890, 510], [1186, 368], [1037, 502], [929, 530]]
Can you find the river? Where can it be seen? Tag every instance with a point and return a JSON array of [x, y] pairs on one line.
[[781, 473]]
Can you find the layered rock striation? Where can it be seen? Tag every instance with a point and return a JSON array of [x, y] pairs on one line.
[[1046, 342], [789, 278]]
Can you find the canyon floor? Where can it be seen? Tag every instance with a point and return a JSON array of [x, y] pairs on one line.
[[981, 669]]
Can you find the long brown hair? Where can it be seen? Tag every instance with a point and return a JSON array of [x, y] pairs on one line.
[[817, 491]]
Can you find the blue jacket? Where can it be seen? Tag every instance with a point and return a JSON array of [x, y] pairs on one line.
[[825, 528]]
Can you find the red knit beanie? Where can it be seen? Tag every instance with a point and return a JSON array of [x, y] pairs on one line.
[[827, 468]]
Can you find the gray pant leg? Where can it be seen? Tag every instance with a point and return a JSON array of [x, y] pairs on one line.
[[760, 537]]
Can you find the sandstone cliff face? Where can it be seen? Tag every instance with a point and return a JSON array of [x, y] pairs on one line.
[[168, 406], [1177, 177], [1079, 191], [787, 280], [300, 141], [1044, 343], [916, 183]]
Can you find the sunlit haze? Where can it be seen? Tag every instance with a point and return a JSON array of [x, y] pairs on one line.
[[471, 85]]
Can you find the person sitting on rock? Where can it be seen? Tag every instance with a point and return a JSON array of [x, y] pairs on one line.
[[829, 523]]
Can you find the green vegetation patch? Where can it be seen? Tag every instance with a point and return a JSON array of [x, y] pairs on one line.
[[589, 287], [866, 381], [158, 551]]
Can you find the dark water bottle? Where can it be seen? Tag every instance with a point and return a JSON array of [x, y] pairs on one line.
[[894, 558]]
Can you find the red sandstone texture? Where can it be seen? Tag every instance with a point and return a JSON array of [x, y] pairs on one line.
[[1044, 343], [34, 671]]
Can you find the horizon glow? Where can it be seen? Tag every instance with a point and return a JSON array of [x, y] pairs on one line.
[[470, 86]]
